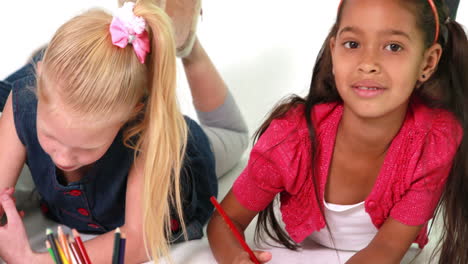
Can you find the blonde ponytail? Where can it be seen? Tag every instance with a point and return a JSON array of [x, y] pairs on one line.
[[164, 134]]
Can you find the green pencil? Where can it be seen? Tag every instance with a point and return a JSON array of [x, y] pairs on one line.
[[51, 239], [51, 252]]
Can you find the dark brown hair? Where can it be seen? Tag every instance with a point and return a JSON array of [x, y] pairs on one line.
[[446, 89]]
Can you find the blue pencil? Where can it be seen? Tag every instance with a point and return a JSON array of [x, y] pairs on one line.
[[122, 249]]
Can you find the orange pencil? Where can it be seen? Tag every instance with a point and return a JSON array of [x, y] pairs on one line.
[[60, 250], [63, 243], [81, 246]]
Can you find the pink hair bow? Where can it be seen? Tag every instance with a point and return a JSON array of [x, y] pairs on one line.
[[126, 28]]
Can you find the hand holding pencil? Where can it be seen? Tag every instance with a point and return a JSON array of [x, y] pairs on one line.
[[248, 256]]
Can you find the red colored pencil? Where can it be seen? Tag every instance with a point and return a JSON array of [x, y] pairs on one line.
[[234, 230], [82, 248], [76, 251]]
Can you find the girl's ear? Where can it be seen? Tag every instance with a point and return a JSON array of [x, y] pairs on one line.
[[332, 51], [39, 67], [430, 62], [332, 44]]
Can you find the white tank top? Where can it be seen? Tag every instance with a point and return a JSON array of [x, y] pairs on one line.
[[350, 226]]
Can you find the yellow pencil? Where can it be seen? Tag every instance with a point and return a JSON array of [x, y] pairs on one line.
[[62, 255]]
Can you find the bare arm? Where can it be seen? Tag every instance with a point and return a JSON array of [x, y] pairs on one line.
[[13, 153], [225, 248], [207, 87], [389, 245]]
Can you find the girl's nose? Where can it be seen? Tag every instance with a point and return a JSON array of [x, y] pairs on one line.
[[370, 63], [369, 68], [64, 158]]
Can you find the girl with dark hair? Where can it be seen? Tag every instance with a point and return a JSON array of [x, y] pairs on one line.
[[96, 119], [362, 161]]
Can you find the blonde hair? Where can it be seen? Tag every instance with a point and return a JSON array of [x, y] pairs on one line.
[[99, 80]]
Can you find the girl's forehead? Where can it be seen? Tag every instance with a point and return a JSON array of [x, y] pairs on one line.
[[73, 131], [391, 13], [59, 115]]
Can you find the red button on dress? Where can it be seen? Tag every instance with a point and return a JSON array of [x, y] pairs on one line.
[[93, 225], [174, 225], [83, 211], [74, 192], [44, 208]]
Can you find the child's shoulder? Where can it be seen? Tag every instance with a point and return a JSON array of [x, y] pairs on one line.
[[321, 114], [292, 127], [429, 120]]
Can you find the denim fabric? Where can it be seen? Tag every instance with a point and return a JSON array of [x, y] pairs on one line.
[[26, 71], [5, 89], [198, 184], [96, 203]]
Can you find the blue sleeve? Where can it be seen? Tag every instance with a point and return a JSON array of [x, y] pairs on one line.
[[24, 101]]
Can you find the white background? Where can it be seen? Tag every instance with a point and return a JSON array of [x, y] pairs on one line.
[[265, 49]]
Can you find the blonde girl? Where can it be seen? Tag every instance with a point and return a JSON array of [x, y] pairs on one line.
[[99, 126]]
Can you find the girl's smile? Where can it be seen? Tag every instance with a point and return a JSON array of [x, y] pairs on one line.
[[368, 88]]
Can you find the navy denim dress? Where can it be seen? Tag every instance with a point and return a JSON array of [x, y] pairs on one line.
[[96, 203]]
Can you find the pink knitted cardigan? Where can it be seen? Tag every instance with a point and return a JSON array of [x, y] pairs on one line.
[[408, 187]]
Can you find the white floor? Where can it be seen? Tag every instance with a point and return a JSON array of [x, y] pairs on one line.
[[264, 49]]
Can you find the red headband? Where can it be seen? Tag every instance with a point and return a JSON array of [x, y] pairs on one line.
[[434, 10]]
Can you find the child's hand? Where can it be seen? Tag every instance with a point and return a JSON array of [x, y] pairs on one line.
[[244, 258], [14, 244]]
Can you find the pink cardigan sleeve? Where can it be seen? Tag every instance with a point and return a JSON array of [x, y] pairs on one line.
[[260, 181], [274, 164], [431, 166]]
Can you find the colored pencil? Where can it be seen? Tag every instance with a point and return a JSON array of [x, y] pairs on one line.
[[115, 254], [63, 243], [234, 230], [81, 246], [51, 252], [76, 251], [60, 251], [122, 249], [72, 257], [51, 239]]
